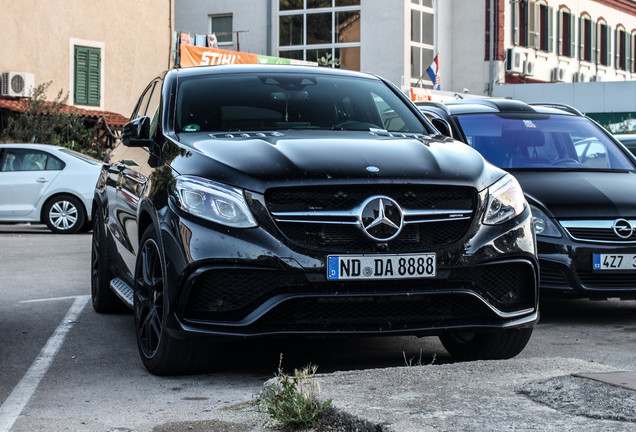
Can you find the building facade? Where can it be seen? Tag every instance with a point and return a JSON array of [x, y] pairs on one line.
[[102, 54], [529, 41]]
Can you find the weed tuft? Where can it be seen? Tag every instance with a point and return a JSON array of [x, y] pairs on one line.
[[292, 401]]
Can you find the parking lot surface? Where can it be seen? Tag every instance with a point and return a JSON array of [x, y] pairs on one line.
[[64, 367]]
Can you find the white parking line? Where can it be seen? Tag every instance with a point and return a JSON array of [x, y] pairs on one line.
[[15, 403]]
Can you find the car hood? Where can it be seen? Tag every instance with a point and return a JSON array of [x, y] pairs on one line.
[[581, 194], [258, 162]]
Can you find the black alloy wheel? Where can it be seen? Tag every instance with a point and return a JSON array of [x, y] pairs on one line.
[[161, 353]]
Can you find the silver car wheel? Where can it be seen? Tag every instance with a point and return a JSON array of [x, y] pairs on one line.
[[63, 215]]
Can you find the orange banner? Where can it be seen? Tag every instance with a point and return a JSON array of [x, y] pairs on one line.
[[419, 94], [201, 56]]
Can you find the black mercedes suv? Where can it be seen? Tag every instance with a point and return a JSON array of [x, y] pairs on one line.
[[578, 179], [252, 201]]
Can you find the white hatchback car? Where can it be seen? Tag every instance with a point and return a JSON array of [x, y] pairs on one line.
[[46, 183]]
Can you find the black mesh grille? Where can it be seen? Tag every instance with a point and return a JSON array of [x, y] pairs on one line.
[[552, 274], [232, 294], [350, 237], [508, 287], [377, 313], [232, 289], [348, 197]]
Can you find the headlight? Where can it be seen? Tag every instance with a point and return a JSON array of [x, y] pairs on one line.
[[543, 226], [505, 201], [214, 201]]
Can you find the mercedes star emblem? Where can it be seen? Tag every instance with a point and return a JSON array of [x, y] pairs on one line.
[[381, 218]]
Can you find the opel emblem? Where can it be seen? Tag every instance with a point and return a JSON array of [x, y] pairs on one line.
[[381, 218], [622, 228], [373, 169]]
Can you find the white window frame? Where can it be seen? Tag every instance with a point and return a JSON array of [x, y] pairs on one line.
[[330, 47]]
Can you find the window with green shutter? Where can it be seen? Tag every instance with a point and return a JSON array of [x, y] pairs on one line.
[[87, 78]]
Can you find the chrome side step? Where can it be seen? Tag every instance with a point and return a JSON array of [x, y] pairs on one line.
[[123, 291]]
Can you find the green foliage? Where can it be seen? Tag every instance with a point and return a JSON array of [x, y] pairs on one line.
[[327, 61], [292, 401], [44, 122]]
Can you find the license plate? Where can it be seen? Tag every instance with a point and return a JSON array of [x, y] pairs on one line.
[[614, 261], [346, 267]]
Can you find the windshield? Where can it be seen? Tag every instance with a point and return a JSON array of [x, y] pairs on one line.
[[537, 141], [258, 101]]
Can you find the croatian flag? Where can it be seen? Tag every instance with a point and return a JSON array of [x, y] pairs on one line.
[[433, 73]]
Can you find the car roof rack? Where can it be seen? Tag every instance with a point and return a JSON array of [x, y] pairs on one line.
[[435, 104], [563, 107]]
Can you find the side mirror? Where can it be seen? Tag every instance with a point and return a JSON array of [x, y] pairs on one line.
[[443, 126], [137, 133]]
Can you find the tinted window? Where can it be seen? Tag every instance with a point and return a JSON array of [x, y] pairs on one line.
[[242, 102], [30, 160], [542, 141]]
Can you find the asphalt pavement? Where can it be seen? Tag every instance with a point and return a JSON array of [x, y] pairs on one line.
[[577, 373]]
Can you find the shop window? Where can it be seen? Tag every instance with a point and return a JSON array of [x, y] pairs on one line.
[[309, 32]]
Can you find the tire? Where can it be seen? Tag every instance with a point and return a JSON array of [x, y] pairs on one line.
[[64, 214], [160, 353], [103, 297], [500, 345]]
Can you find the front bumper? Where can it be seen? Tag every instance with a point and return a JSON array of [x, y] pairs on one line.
[[251, 282], [566, 270]]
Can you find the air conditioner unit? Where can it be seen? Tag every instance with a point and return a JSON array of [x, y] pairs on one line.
[[528, 67], [558, 74], [581, 77], [17, 84], [514, 60], [596, 78]]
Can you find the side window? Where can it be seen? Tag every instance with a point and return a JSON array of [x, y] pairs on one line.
[[153, 106], [29, 160], [54, 164], [144, 100]]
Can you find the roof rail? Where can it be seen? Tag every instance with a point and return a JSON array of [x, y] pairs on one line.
[[435, 104], [564, 107]]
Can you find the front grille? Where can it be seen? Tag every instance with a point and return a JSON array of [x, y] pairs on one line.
[[326, 218], [608, 281], [351, 238], [599, 231]]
